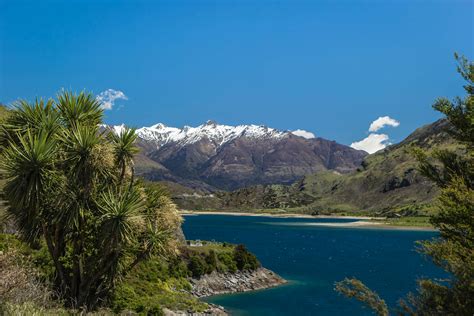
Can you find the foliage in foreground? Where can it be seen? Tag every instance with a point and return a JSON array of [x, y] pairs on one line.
[[149, 287], [31, 309], [354, 288], [158, 283], [20, 281], [154, 284], [453, 173], [71, 185]]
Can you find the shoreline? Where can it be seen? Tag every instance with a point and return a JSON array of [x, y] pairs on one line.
[[276, 215], [219, 283], [367, 225], [363, 222]]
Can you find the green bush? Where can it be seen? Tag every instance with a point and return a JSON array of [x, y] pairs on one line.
[[227, 262], [211, 261], [197, 266], [38, 256], [150, 287], [157, 282], [244, 259], [177, 268]]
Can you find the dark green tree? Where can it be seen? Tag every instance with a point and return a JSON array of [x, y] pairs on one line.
[[453, 251], [211, 261], [244, 259], [197, 266], [453, 172]]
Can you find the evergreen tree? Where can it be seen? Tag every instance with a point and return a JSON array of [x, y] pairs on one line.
[[453, 251]]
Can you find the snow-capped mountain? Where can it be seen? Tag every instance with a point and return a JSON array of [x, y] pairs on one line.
[[229, 157], [161, 134]]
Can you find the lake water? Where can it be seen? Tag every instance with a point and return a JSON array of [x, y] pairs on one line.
[[312, 258]]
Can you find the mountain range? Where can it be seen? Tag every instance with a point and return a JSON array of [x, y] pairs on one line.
[[386, 182], [244, 167], [213, 157]]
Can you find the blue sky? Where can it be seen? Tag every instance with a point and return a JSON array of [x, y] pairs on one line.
[[329, 67]]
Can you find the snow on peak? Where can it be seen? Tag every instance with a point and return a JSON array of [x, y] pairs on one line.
[[118, 129], [161, 134]]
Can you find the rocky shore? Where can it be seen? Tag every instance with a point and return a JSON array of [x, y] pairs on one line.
[[213, 310], [223, 283], [242, 281]]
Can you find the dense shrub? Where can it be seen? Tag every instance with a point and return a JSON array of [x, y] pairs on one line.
[[211, 261], [227, 262], [153, 285], [197, 266], [244, 259], [177, 268], [219, 257]]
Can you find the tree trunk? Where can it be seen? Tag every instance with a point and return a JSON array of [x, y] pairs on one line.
[[57, 264]]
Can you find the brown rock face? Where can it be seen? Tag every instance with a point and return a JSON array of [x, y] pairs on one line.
[[212, 156], [241, 281], [246, 161]]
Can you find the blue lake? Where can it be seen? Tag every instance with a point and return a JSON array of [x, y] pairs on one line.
[[312, 258]]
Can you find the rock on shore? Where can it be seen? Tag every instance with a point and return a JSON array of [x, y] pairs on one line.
[[213, 310], [241, 281]]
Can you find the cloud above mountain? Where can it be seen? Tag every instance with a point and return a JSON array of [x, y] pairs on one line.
[[381, 122], [108, 97], [303, 133], [372, 143], [375, 141]]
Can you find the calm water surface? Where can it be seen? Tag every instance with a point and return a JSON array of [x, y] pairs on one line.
[[313, 258]]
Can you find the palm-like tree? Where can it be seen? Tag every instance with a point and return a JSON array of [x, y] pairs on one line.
[[40, 116], [65, 185], [124, 150], [30, 170], [79, 109]]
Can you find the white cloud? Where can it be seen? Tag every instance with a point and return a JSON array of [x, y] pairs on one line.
[[303, 133], [381, 122], [375, 142], [107, 98], [372, 143]]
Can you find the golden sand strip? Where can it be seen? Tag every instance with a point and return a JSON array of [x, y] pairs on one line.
[[360, 221]]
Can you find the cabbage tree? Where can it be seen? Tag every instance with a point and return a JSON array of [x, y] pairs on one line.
[[70, 185]]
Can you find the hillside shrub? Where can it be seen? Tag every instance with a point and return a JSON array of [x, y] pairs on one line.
[[244, 259]]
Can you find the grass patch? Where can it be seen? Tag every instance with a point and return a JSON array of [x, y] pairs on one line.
[[418, 221]]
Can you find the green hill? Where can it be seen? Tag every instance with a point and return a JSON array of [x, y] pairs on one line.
[[387, 182]]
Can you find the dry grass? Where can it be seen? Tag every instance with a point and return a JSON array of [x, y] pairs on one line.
[[19, 281]]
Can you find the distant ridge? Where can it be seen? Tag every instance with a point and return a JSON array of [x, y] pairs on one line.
[[212, 156], [386, 183]]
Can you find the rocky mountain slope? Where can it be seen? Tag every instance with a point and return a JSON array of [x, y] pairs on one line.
[[213, 156], [386, 182]]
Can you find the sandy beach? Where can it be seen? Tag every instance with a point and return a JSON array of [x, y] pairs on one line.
[[365, 225], [359, 221], [286, 215]]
